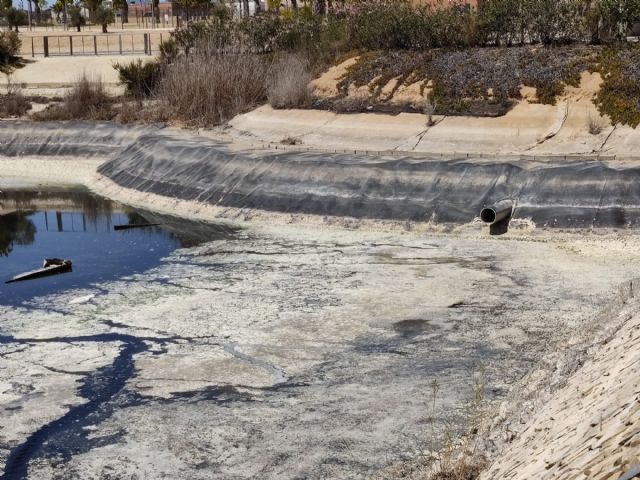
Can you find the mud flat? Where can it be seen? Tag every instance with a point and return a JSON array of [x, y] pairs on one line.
[[285, 350]]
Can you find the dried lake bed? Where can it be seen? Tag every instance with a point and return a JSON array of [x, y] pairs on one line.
[[289, 351]]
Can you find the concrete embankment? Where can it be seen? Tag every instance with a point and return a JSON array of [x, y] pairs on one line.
[[533, 130]]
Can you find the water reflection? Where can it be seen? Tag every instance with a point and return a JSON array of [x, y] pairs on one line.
[[15, 229], [77, 225], [92, 206]]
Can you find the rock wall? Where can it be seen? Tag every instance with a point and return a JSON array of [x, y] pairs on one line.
[[589, 428]]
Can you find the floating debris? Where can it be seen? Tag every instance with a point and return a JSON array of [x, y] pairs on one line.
[[139, 225], [51, 266]]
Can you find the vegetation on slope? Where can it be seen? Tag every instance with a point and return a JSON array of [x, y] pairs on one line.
[[466, 61], [470, 60]]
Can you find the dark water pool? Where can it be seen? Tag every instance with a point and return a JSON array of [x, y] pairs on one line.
[[79, 226]]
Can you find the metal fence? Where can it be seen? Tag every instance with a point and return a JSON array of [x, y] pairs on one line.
[[98, 44]]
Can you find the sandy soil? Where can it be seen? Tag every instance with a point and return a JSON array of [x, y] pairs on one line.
[[51, 76], [21, 172]]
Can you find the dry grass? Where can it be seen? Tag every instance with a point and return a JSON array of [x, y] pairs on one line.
[[207, 90], [129, 112], [461, 460], [454, 452], [288, 82], [352, 104], [596, 125], [465, 465], [14, 103], [291, 141], [87, 100]]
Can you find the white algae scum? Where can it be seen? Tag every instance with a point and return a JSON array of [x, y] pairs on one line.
[[304, 353]]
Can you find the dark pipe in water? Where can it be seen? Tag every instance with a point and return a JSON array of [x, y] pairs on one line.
[[497, 212]]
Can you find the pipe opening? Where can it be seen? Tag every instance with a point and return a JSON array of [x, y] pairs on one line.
[[488, 215]]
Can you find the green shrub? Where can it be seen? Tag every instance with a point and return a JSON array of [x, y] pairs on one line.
[[169, 50], [619, 95], [10, 44], [476, 81], [141, 79], [399, 26], [402, 25], [103, 16]]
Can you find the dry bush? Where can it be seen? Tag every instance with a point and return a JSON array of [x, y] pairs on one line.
[[205, 90], [352, 104], [87, 100], [291, 141], [128, 112], [595, 125], [288, 82], [14, 103], [461, 460], [460, 469]]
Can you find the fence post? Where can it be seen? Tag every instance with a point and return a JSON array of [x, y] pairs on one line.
[[71, 45], [45, 45], [33, 53], [146, 43], [120, 43], [95, 45]]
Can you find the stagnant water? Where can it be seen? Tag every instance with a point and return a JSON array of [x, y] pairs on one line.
[[79, 226]]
